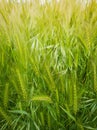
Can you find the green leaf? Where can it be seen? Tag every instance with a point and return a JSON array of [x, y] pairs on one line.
[[68, 113]]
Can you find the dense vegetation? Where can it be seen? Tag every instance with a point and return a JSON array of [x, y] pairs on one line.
[[48, 66]]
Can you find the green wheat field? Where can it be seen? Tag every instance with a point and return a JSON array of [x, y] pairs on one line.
[[48, 65]]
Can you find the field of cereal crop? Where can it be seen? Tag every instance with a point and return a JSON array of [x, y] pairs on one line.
[[48, 65]]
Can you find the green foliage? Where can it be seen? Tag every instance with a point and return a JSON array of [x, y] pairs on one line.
[[48, 66]]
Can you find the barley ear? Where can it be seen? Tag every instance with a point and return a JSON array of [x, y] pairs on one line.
[[22, 85], [4, 115], [5, 101], [95, 82], [75, 107]]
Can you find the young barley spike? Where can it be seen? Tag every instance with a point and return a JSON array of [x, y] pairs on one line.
[[5, 116], [22, 86], [5, 101], [50, 77], [95, 82], [42, 98], [75, 99], [88, 37], [71, 94]]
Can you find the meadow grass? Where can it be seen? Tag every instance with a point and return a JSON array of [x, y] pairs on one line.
[[48, 66]]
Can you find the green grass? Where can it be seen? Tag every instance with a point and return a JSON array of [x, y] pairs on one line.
[[48, 66]]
